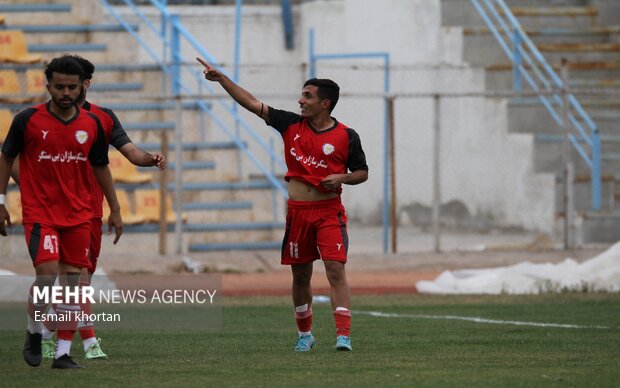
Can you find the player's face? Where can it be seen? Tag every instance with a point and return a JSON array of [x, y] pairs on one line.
[[309, 101], [64, 90]]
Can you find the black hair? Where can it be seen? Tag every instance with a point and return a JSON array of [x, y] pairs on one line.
[[86, 65], [64, 65], [326, 90]]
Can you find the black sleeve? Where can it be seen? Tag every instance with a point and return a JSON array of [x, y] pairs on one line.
[[14, 142], [281, 119], [118, 137], [357, 158], [98, 155]]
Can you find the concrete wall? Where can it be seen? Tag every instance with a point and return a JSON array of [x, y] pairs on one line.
[[486, 169]]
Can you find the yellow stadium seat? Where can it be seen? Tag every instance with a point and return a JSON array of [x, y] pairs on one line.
[[10, 88], [148, 203], [6, 118], [129, 217], [9, 82], [13, 48], [35, 83], [14, 206], [124, 171]]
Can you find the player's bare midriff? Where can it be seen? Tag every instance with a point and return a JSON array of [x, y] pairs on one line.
[[300, 191]]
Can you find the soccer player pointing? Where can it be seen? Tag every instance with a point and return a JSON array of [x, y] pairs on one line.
[[319, 153]]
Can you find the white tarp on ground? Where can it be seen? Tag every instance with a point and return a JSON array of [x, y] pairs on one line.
[[601, 273]]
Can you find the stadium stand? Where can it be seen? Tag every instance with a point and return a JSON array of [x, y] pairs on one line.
[[6, 117], [124, 171], [129, 217], [13, 48], [148, 204], [9, 86], [35, 82]]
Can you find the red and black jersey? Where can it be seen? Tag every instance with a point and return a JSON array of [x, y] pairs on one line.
[[54, 168], [312, 155], [114, 135]]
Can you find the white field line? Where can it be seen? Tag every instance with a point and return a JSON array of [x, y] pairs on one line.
[[477, 320]]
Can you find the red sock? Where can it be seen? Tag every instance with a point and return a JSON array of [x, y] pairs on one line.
[[303, 317], [342, 317], [86, 327]]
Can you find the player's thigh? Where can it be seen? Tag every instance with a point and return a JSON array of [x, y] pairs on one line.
[[332, 236], [43, 243], [299, 245], [75, 246]]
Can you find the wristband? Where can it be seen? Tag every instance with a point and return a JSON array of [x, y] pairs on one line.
[[2, 199]]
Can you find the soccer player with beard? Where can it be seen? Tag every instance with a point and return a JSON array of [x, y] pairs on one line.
[[117, 137], [60, 146]]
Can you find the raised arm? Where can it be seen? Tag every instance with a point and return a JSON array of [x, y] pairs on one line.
[[239, 94]]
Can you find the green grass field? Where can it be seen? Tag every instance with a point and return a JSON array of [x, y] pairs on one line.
[[425, 342]]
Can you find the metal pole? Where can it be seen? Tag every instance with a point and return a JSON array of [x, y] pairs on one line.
[[163, 192], [436, 174], [393, 203], [567, 159], [178, 178], [516, 66], [238, 15]]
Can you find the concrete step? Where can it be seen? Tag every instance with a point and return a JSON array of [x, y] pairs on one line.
[[34, 7], [601, 227], [238, 246]]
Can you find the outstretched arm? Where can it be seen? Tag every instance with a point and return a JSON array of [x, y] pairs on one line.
[[140, 157], [239, 94]]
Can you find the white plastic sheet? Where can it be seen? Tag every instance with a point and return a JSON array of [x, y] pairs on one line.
[[601, 273]]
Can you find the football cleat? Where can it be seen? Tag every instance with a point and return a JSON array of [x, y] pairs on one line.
[[304, 343], [95, 352], [65, 362], [48, 348], [343, 343], [32, 349]]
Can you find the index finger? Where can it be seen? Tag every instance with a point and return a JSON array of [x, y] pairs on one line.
[[203, 62]]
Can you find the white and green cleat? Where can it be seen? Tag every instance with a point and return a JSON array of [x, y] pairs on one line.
[[48, 348], [95, 352]]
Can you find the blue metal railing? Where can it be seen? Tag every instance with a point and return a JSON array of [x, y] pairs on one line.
[[385, 56], [171, 34], [525, 56]]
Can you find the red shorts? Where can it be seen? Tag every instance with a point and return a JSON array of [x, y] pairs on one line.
[[95, 242], [315, 230], [67, 245]]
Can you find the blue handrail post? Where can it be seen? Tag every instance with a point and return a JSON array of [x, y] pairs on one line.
[[386, 89], [312, 59], [175, 55], [287, 20], [596, 170], [516, 66]]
